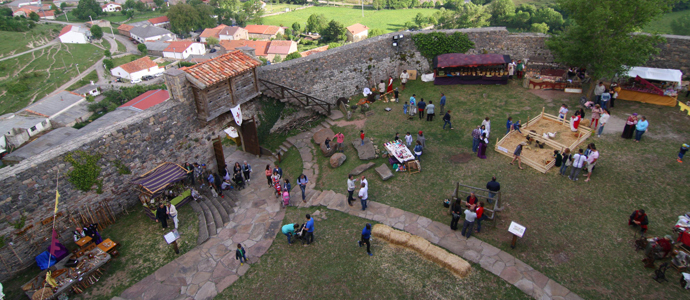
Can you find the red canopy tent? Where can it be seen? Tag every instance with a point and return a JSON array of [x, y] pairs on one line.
[[459, 68]]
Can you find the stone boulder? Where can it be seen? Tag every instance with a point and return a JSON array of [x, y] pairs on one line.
[[384, 172], [326, 152], [366, 151], [361, 168], [322, 134], [337, 159]]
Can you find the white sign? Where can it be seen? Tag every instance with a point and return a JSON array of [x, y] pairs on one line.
[[232, 132], [171, 236], [503, 149], [237, 114], [516, 229]]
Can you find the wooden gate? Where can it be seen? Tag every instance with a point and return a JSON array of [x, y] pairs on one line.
[[250, 137], [220, 156]]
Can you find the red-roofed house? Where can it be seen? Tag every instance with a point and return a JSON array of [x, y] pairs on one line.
[[111, 7], [160, 22], [136, 69], [46, 14], [211, 32], [26, 10], [233, 33], [183, 49], [264, 32], [356, 32], [260, 47], [314, 51], [281, 48], [124, 29], [73, 34], [146, 100]]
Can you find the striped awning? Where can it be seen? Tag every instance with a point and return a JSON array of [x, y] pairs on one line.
[[156, 180]]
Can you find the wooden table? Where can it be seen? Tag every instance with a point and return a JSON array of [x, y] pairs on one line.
[[83, 241], [107, 245]]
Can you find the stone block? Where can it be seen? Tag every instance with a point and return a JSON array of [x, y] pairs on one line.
[[366, 151], [337, 160], [361, 168], [325, 151], [321, 135]]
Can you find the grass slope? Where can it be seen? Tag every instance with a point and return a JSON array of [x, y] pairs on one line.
[[663, 24], [17, 42], [576, 232]]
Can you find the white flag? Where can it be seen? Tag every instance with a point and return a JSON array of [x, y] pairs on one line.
[[237, 114]]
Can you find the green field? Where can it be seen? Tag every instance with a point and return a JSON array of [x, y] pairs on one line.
[[389, 20], [93, 76], [274, 8], [30, 77], [17, 42], [663, 24]]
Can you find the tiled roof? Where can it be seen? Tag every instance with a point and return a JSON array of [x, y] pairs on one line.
[[138, 65], [260, 47], [178, 46], [159, 20], [356, 28], [49, 13], [279, 47], [314, 51], [262, 29], [229, 30], [212, 32], [147, 100], [125, 27], [222, 67], [109, 3], [65, 29]]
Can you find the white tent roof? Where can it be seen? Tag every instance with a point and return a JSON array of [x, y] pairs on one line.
[[656, 74]]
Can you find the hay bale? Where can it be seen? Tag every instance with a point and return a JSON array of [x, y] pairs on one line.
[[436, 254], [458, 266], [418, 244], [381, 231], [399, 237]]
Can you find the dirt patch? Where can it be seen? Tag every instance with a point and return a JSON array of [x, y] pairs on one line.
[[560, 257], [357, 123], [554, 95], [564, 135], [461, 158], [531, 152]]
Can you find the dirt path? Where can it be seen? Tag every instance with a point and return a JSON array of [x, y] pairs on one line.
[[51, 43]]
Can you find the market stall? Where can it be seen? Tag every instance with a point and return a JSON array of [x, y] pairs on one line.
[[651, 85], [458, 68], [399, 151], [161, 185]]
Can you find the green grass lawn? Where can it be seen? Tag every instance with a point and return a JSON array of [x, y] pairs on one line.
[[292, 166], [388, 20], [274, 8], [17, 42], [30, 77], [333, 267], [138, 17], [142, 251], [84, 81], [121, 47], [577, 232], [663, 24]]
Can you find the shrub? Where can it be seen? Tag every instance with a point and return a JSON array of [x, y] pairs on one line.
[[433, 44]]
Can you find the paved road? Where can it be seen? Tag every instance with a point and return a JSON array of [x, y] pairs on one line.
[[53, 42], [131, 48]]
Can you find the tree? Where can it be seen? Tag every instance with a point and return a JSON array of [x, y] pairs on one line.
[[86, 9], [334, 32], [375, 32], [96, 32], [140, 6], [34, 16], [377, 4], [63, 5], [129, 4], [539, 27], [521, 19], [159, 3], [316, 23], [413, 4], [501, 10], [296, 26], [421, 20], [467, 15], [107, 53], [5, 11], [108, 64], [681, 26], [54, 8], [277, 59], [142, 48], [600, 38], [531, 9], [211, 41], [548, 16], [185, 18], [293, 55]]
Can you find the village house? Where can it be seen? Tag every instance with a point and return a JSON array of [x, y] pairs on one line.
[[24, 11], [162, 22], [136, 69], [281, 48], [124, 29], [53, 106], [233, 33], [183, 49], [211, 33], [156, 48], [88, 90], [264, 32], [314, 51], [150, 33], [260, 47], [146, 100], [73, 34], [17, 129], [356, 32], [111, 7], [46, 14]]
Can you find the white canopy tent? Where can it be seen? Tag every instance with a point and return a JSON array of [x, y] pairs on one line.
[[671, 75]]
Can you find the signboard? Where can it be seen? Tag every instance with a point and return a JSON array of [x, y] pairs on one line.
[[232, 132], [237, 114], [171, 236], [503, 149], [516, 229]]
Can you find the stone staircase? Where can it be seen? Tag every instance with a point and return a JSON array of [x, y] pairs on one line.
[[330, 121], [213, 214]]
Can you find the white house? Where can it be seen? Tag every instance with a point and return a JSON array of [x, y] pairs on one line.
[[73, 34], [356, 32], [183, 49], [16, 129], [88, 90], [233, 33], [137, 69], [150, 33], [111, 7], [162, 21]]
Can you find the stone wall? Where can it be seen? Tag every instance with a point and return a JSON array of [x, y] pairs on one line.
[[675, 54]]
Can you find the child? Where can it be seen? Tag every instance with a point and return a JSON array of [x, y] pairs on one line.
[[286, 199], [396, 95], [509, 125], [563, 111], [683, 149], [328, 144], [517, 126], [278, 188], [361, 136], [241, 254], [559, 157], [397, 137], [408, 139], [405, 106]]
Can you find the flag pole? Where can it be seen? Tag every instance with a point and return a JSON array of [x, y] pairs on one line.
[[57, 196]]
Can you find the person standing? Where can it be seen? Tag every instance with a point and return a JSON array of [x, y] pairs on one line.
[[420, 108], [365, 181], [493, 186], [351, 180], [472, 199], [309, 235], [442, 102], [418, 149], [396, 95], [476, 135], [563, 111], [511, 69], [446, 120], [247, 171], [302, 181], [455, 212], [614, 89], [198, 174], [596, 114], [366, 235], [598, 90], [578, 162], [403, 78], [566, 161], [487, 126], [575, 121], [520, 69], [278, 170], [421, 139], [629, 128], [591, 160], [190, 173], [268, 175], [405, 106], [241, 254], [396, 138], [516, 155], [389, 89], [480, 216], [681, 153], [430, 111], [605, 97], [364, 195], [172, 212], [468, 225], [483, 144], [605, 115], [382, 87], [640, 128], [413, 102], [361, 136], [509, 125], [162, 216], [289, 231], [408, 139], [559, 158], [339, 138], [482, 131]]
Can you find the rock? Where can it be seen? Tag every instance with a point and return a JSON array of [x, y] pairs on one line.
[[384, 172], [326, 152], [337, 159], [366, 151], [322, 134], [361, 168], [349, 114]]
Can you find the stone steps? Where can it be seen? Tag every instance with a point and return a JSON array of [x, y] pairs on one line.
[[336, 114], [227, 203], [217, 219], [330, 122], [283, 148], [221, 210], [203, 229], [210, 224]]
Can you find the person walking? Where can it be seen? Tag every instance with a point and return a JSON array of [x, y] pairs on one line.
[[629, 128], [268, 175], [493, 186], [302, 181], [578, 161], [241, 254], [476, 135], [246, 171], [455, 212], [339, 138], [641, 128], [361, 136], [351, 180], [566, 161], [430, 111], [413, 103], [403, 78], [289, 231], [364, 195], [681, 153], [591, 160], [309, 226], [405, 106], [483, 144], [516, 155], [446, 120], [420, 107], [487, 125], [172, 212], [468, 225], [366, 235], [421, 139], [442, 102], [480, 216], [605, 115]]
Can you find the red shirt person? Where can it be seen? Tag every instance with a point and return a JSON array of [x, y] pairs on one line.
[[639, 217], [472, 200]]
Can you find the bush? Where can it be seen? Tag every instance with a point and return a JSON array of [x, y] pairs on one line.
[[17, 87], [681, 26], [85, 170], [433, 44], [186, 64], [293, 55]]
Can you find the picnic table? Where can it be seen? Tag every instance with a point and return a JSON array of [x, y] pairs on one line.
[[399, 151]]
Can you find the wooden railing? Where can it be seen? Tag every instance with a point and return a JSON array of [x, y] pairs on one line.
[[279, 91]]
